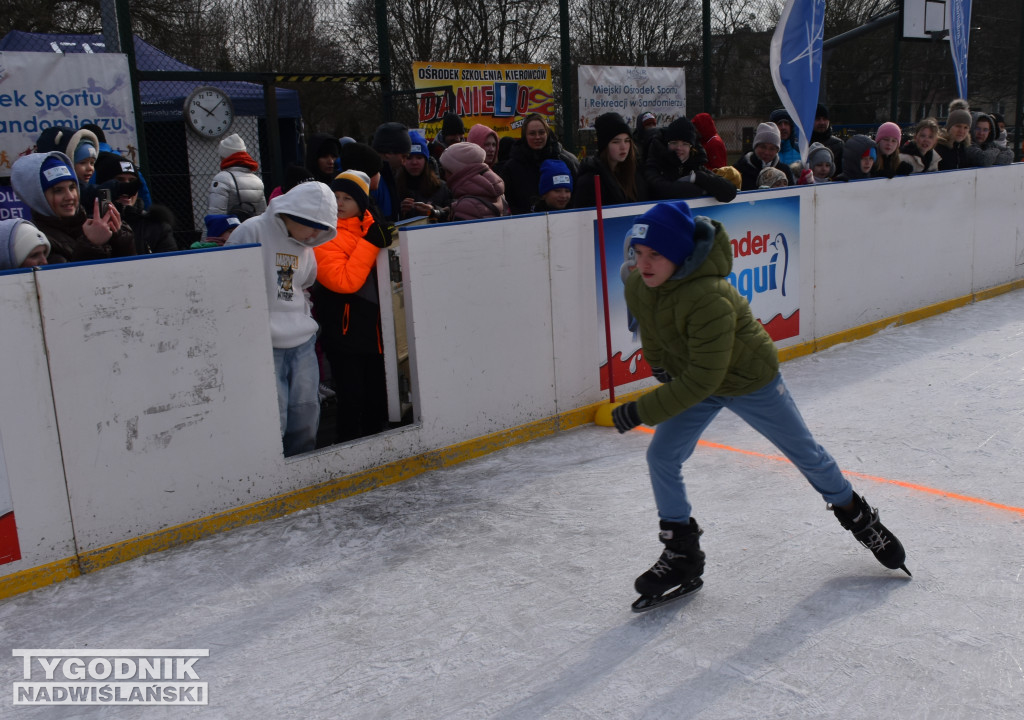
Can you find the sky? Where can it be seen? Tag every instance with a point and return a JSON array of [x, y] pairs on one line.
[[501, 588]]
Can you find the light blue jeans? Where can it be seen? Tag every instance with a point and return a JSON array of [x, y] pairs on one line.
[[772, 412], [298, 396]]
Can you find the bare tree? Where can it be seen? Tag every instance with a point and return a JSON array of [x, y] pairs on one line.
[[626, 33], [50, 16], [192, 31]]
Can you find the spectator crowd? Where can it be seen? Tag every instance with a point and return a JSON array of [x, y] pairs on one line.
[[322, 230]]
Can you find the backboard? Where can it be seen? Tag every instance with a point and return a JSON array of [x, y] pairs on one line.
[[925, 19]]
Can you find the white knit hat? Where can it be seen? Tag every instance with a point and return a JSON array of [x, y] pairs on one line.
[[768, 132], [27, 238], [230, 145]]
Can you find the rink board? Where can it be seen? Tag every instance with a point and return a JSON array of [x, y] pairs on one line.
[[28, 430], [158, 371]]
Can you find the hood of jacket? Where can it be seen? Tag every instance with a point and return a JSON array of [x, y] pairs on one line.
[[65, 139], [783, 114], [669, 163], [311, 201], [26, 183], [476, 179], [705, 125], [7, 230], [319, 145], [993, 135], [712, 253], [853, 151], [818, 153], [479, 133], [461, 156]]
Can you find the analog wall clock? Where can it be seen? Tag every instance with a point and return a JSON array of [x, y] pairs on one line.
[[208, 111]]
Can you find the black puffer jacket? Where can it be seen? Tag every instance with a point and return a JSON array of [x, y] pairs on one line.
[[612, 193], [954, 154], [668, 178], [522, 171], [153, 229]]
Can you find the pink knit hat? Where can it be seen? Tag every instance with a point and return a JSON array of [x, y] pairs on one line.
[[888, 130], [462, 155]]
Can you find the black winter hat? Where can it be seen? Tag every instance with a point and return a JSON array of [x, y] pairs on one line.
[[821, 112], [391, 137], [452, 125], [608, 126], [362, 157], [294, 175], [680, 129], [109, 165]]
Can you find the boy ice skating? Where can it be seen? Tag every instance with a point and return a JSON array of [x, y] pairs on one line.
[[704, 344]]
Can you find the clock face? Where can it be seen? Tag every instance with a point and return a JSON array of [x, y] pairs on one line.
[[208, 112]]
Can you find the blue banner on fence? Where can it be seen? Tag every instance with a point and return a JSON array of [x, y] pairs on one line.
[[960, 37]]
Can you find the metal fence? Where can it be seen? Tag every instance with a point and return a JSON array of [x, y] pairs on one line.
[[868, 81]]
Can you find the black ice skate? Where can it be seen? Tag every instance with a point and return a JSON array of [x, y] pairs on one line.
[[862, 520], [678, 570]]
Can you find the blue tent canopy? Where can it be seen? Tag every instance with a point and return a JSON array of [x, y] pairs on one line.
[[161, 100]]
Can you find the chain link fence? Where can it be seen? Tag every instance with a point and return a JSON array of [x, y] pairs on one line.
[[865, 81]]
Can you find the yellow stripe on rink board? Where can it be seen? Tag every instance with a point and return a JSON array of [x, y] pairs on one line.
[[338, 488], [37, 577]]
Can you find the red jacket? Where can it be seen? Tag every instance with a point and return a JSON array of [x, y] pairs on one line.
[[711, 141]]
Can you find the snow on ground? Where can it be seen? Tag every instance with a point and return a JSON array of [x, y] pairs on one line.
[[500, 588]]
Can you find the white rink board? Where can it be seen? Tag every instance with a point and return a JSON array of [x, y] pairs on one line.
[[162, 372], [479, 311], [158, 363], [28, 430]]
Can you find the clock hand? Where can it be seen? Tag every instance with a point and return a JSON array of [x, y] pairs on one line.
[[203, 107]]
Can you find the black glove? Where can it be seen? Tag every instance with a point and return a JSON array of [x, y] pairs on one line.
[[718, 187], [380, 234], [626, 417], [660, 374]]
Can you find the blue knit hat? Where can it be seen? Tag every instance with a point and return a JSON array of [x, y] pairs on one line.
[[85, 150], [554, 174], [666, 228], [419, 144], [54, 171], [217, 225]]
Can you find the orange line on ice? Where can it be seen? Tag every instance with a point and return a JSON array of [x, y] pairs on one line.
[[901, 483]]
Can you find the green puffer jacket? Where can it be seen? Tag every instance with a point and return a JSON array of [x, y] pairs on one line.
[[700, 329]]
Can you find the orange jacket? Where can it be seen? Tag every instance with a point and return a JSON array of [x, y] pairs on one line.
[[344, 263]]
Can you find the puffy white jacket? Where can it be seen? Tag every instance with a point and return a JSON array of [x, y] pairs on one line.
[[235, 186]]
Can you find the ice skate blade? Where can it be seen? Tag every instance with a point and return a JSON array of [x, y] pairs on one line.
[[649, 602], [904, 569]]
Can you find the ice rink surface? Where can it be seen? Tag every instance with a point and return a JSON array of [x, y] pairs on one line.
[[500, 588]]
